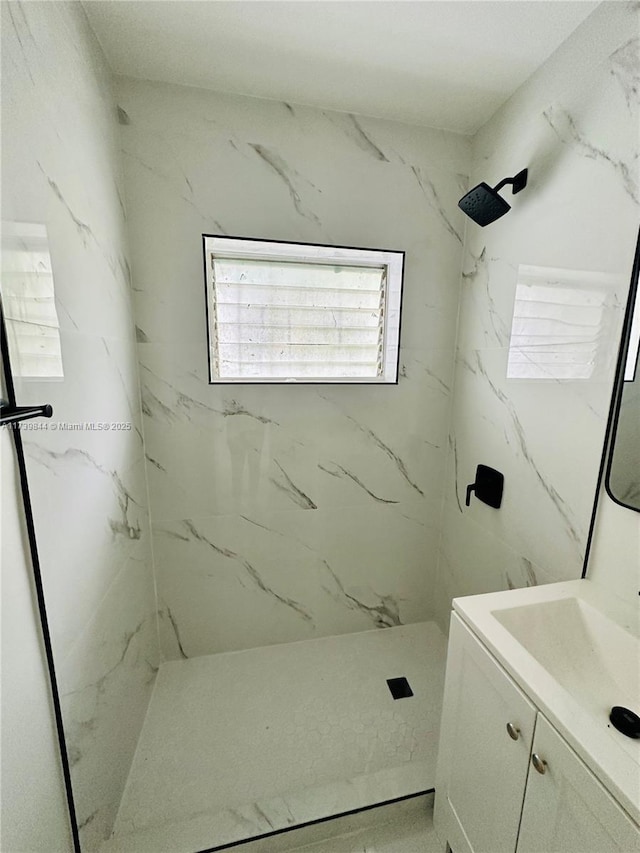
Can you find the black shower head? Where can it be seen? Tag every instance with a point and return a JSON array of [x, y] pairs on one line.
[[484, 204]]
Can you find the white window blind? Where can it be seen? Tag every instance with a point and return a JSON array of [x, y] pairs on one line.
[[286, 318], [28, 301]]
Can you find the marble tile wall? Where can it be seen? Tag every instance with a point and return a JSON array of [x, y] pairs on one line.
[[61, 170], [575, 125], [282, 513], [614, 559], [31, 781]]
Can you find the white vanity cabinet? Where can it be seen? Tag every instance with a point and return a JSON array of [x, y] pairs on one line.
[[490, 798], [566, 809], [482, 768]]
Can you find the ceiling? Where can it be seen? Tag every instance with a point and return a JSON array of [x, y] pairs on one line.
[[448, 64]]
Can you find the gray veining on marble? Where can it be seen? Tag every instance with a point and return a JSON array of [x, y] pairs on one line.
[[86, 479], [624, 67], [384, 615], [579, 213], [339, 471], [513, 422], [400, 465], [364, 140], [278, 474], [569, 133], [122, 525], [233, 409], [169, 615], [83, 229], [290, 488], [431, 194], [287, 175], [194, 534]]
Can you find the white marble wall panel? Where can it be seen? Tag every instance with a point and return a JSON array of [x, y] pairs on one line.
[[575, 126], [61, 170], [31, 781], [614, 560], [254, 489], [301, 574], [473, 560], [217, 450], [106, 681], [537, 432]]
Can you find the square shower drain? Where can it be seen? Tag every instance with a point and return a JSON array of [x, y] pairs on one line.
[[399, 688]]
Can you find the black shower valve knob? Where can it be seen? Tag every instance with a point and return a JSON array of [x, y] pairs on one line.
[[488, 486]]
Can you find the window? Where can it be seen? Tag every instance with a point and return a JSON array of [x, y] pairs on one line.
[[288, 312]]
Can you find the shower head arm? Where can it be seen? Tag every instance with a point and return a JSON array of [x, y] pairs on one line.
[[518, 182]]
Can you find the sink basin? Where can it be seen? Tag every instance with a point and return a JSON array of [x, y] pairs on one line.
[[575, 651], [587, 653]]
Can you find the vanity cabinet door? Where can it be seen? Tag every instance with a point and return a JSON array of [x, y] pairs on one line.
[[482, 765], [566, 809]]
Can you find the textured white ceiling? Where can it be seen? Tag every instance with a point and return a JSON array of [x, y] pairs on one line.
[[445, 64]]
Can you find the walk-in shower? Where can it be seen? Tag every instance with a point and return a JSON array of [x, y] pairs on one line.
[[246, 586]]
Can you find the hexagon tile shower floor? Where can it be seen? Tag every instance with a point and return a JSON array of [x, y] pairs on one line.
[[315, 731]]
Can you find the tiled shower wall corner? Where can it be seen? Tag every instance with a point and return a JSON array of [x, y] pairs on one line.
[[282, 513], [60, 169], [575, 125]]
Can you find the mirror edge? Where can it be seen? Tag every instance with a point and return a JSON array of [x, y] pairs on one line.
[[602, 482], [618, 385]]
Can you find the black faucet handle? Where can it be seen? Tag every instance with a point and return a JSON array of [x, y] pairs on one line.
[[488, 486]]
